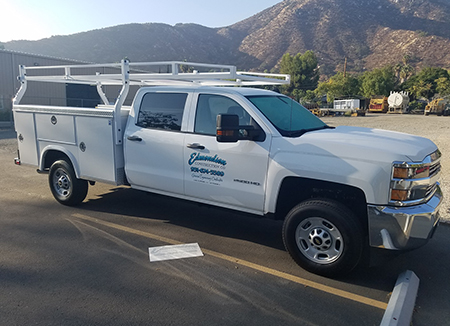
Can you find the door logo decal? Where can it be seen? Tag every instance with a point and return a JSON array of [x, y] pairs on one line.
[[214, 159], [207, 169]]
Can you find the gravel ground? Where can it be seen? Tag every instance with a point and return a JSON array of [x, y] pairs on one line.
[[433, 127]]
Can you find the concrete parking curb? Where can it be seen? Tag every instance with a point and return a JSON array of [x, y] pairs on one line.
[[401, 305]]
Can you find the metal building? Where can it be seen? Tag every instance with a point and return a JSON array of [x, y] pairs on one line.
[[48, 93], [38, 94]]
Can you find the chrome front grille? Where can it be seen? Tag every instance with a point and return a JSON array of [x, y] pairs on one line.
[[435, 169], [430, 190]]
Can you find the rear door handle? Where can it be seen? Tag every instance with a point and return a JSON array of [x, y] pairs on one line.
[[134, 138], [195, 146]]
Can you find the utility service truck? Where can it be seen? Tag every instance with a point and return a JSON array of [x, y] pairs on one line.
[[198, 132]]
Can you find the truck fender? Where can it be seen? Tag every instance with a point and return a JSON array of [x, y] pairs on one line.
[[294, 190], [57, 152]]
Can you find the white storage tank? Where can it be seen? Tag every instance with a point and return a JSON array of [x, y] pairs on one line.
[[398, 102]]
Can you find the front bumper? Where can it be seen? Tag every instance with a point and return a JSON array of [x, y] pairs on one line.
[[403, 228]]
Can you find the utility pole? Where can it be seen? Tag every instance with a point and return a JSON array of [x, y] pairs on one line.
[[345, 67]]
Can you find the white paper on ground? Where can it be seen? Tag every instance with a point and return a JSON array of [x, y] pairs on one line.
[[174, 252]]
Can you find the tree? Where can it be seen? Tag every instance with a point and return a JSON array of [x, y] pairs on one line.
[[421, 89], [404, 70], [339, 86], [443, 86], [310, 96], [303, 70], [378, 82], [425, 83], [185, 68], [406, 58]]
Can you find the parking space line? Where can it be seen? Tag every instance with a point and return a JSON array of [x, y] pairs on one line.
[[286, 276]]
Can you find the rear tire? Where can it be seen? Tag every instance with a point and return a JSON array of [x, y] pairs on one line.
[[65, 187], [324, 237]]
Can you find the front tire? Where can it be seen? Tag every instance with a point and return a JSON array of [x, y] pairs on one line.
[[65, 187], [323, 237]]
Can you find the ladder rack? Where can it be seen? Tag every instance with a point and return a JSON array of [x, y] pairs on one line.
[[140, 73], [143, 74]]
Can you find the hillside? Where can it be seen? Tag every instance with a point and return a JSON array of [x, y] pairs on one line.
[[138, 42], [370, 33]]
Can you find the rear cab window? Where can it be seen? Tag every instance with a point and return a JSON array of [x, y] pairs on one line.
[[162, 111]]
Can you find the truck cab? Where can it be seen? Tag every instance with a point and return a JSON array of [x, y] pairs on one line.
[[180, 125]]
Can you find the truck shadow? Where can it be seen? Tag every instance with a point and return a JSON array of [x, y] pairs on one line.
[[380, 276], [200, 217]]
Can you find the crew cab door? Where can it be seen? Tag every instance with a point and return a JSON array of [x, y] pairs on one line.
[[228, 174], [154, 142]]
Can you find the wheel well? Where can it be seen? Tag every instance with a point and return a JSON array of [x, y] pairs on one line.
[[295, 190], [52, 156]]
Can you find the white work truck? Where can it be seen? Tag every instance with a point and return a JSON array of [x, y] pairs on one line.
[[339, 190]]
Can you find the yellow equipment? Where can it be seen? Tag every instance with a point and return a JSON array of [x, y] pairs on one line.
[[378, 104], [438, 106]]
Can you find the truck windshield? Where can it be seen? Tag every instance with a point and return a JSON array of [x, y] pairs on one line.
[[289, 117]]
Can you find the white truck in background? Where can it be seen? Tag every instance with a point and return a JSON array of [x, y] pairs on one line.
[[338, 190]]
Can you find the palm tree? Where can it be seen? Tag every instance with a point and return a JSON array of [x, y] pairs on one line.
[[406, 71]]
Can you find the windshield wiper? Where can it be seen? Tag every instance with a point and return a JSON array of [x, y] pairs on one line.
[[298, 133]]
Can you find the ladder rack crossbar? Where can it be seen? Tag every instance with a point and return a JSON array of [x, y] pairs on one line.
[[140, 74]]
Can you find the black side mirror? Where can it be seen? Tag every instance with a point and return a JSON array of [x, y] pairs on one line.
[[227, 128]]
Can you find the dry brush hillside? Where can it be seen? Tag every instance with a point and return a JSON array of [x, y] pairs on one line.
[[370, 33]]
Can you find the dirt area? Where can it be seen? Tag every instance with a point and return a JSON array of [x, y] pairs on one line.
[[433, 127]]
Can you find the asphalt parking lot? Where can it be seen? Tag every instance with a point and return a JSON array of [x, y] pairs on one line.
[[89, 265]]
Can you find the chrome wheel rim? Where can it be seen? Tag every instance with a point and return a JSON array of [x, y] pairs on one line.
[[62, 183], [319, 240]]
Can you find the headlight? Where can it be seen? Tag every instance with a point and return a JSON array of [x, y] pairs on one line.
[[408, 171], [399, 195], [401, 173], [414, 183]]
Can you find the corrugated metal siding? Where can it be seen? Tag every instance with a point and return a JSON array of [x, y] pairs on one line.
[[7, 83], [40, 93], [45, 93]]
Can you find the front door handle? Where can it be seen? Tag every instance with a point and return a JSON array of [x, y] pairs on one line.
[[134, 138], [195, 146]]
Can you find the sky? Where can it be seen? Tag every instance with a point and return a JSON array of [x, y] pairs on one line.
[[37, 19]]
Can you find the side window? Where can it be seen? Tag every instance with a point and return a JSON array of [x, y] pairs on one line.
[[162, 111], [209, 106]]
